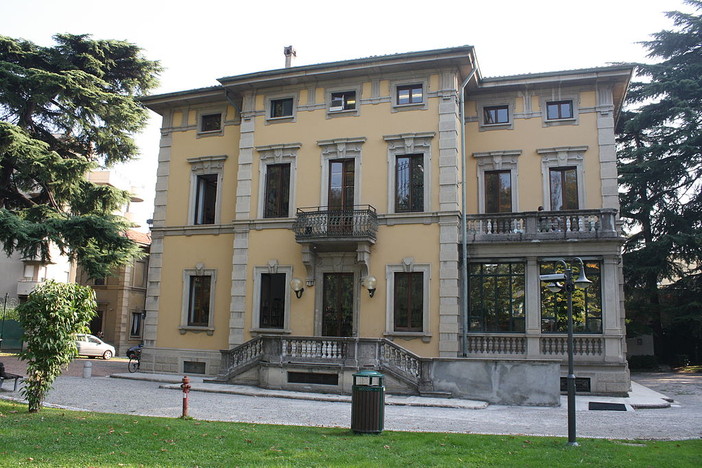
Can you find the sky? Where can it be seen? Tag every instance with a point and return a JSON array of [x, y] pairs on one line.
[[197, 42]]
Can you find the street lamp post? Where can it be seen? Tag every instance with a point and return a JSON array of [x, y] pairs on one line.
[[568, 285]]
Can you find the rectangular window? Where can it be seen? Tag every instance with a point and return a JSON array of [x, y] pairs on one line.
[[410, 94], [135, 329], [211, 123], [408, 302], [497, 301], [564, 188], [100, 281], [498, 192], [277, 191], [342, 101], [199, 301], [272, 307], [495, 115], [205, 199], [139, 274], [281, 107], [587, 304], [409, 183], [557, 110]]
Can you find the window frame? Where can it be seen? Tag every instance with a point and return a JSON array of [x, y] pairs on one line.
[[487, 109], [563, 179], [559, 105], [506, 160], [394, 94], [283, 187], [562, 156], [270, 103], [199, 166], [344, 106], [408, 266], [474, 279], [204, 198], [272, 268], [559, 317], [406, 144], [555, 97], [205, 112], [499, 200], [273, 155], [139, 316], [411, 158], [185, 326]]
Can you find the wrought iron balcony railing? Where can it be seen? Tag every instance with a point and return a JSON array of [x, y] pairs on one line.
[[322, 223], [542, 225]]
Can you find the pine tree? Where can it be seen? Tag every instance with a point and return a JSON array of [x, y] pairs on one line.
[[65, 110], [660, 167]]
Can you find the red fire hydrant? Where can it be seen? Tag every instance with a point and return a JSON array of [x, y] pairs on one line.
[[186, 389]]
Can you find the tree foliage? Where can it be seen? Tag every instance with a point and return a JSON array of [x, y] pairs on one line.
[[660, 166], [52, 315], [65, 110]]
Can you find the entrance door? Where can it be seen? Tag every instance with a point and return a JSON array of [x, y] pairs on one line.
[[341, 182], [337, 318]]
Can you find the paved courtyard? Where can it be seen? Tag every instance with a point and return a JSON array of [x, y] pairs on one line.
[[681, 420]]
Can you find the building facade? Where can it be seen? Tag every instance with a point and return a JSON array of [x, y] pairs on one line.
[[310, 217]]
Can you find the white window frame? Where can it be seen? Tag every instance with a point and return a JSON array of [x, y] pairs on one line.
[[574, 98], [284, 118], [562, 156], [199, 270], [408, 266], [277, 154], [271, 268], [412, 106], [341, 148], [210, 111], [498, 161], [205, 165], [407, 144]]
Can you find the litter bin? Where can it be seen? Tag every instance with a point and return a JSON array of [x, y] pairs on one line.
[[367, 402]]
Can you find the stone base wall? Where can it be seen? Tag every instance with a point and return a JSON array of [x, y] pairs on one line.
[[612, 379], [172, 360]]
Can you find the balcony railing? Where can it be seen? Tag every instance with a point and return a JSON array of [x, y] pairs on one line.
[[542, 225], [321, 223]]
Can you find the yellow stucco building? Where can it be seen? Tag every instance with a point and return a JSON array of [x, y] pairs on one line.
[[309, 221]]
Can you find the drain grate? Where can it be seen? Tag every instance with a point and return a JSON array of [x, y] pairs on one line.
[[601, 406]]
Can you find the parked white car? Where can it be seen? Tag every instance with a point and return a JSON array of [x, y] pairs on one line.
[[92, 346]]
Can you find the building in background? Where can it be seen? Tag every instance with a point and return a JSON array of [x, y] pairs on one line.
[[308, 221]]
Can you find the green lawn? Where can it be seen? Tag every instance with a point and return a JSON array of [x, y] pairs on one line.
[[66, 438]]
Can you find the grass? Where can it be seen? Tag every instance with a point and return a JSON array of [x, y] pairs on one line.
[[692, 369], [55, 437]]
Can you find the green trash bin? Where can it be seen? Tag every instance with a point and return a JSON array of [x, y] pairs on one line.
[[367, 402]]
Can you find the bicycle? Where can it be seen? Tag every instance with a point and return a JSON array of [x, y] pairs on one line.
[[134, 359]]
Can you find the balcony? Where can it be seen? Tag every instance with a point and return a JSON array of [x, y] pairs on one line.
[[324, 225], [26, 286], [542, 226]]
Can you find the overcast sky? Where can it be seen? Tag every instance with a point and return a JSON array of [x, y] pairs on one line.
[[198, 42]]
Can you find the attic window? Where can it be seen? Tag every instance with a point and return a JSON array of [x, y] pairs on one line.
[[211, 123]]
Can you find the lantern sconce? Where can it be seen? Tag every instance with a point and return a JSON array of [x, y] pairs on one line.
[[297, 286], [370, 283]]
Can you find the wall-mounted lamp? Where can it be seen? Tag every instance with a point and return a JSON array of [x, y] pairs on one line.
[[296, 286], [370, 282]]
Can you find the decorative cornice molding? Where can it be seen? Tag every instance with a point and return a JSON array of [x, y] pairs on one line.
[[341, 147], [201, 163], [278, 152], [409, 142]]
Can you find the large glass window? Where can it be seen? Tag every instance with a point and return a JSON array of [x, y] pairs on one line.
[[409, 183], [277, 191], [496, 297], [409, 302], [587, 304], [205, 199], [498, 192], [564, 188], [199, 301], [272, 306]]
